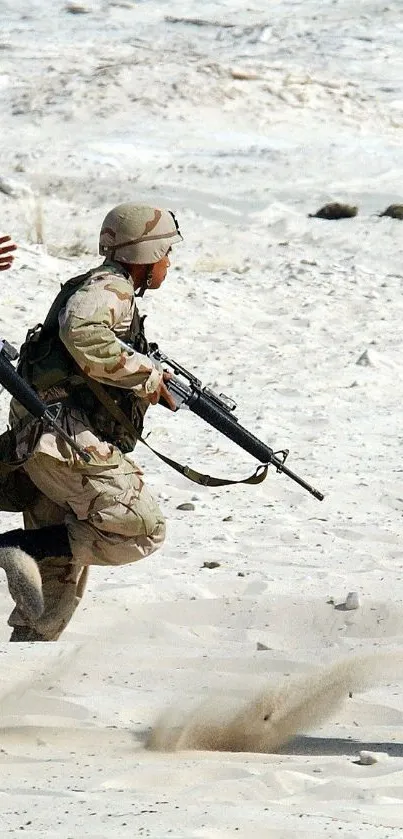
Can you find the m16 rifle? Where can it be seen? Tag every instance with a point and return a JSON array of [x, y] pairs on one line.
[[27, 397], [217, 411], [187, 391]]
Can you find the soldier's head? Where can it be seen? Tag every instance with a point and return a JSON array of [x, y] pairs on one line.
[[140, 238]]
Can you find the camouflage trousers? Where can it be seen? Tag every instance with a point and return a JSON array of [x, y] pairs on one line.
[[111, 517]]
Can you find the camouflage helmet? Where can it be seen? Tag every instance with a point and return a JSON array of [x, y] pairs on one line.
[[138, 235]]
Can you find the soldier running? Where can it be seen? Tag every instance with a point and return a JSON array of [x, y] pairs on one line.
[[101, 512]]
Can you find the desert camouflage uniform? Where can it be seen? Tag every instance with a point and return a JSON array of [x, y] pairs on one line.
[[110, 515]]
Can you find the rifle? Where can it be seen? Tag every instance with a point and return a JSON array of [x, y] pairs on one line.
[[27, 397], [217, 411]]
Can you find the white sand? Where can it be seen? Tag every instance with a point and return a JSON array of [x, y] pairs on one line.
[[243, 126]]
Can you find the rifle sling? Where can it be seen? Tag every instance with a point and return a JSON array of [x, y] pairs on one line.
[[192, 474]]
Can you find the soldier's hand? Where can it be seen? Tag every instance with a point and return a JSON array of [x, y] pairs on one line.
[[6, 248], [163, 393]]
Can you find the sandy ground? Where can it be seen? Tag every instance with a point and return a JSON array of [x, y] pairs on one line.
[[243, 119]]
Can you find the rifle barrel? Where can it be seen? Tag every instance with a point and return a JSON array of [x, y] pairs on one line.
[[281, 467], [211, 413]]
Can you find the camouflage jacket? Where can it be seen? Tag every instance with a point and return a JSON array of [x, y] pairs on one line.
[[93, 325]]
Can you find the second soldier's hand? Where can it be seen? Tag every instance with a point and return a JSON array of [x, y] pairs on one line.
[[6, 255]]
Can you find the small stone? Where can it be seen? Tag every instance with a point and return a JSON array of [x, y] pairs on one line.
[[212, 564], [241, 573], [261, 646], [228, 518], [76, 9], [244, 75], [393, 211], [335, 210], [365, 359], [187, 505], [352, 601], [369, 758]]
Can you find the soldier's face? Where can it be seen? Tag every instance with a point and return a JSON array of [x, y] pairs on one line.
[[154, 274], [159, 271]]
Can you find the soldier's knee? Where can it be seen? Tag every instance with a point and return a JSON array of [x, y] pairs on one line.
[[98, 544], [141, 545]]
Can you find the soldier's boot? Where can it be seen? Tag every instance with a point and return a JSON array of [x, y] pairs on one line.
[[19, 551], [24, 581], [63, 585], [39, 543]]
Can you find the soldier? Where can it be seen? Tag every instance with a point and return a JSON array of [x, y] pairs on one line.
[[90, 355]]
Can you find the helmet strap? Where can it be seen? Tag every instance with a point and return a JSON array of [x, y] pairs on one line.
[[147, 282]]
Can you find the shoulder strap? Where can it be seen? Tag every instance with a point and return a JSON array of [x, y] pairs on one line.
[[192, 474], [66, 291], [70, 287]]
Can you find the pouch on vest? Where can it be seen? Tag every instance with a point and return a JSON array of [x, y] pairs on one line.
[[44, 361], [17, 491]]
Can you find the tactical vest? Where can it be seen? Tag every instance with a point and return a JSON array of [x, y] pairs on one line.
[[47, 366]]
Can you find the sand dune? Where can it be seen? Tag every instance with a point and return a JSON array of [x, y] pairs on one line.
[[243, 119]]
